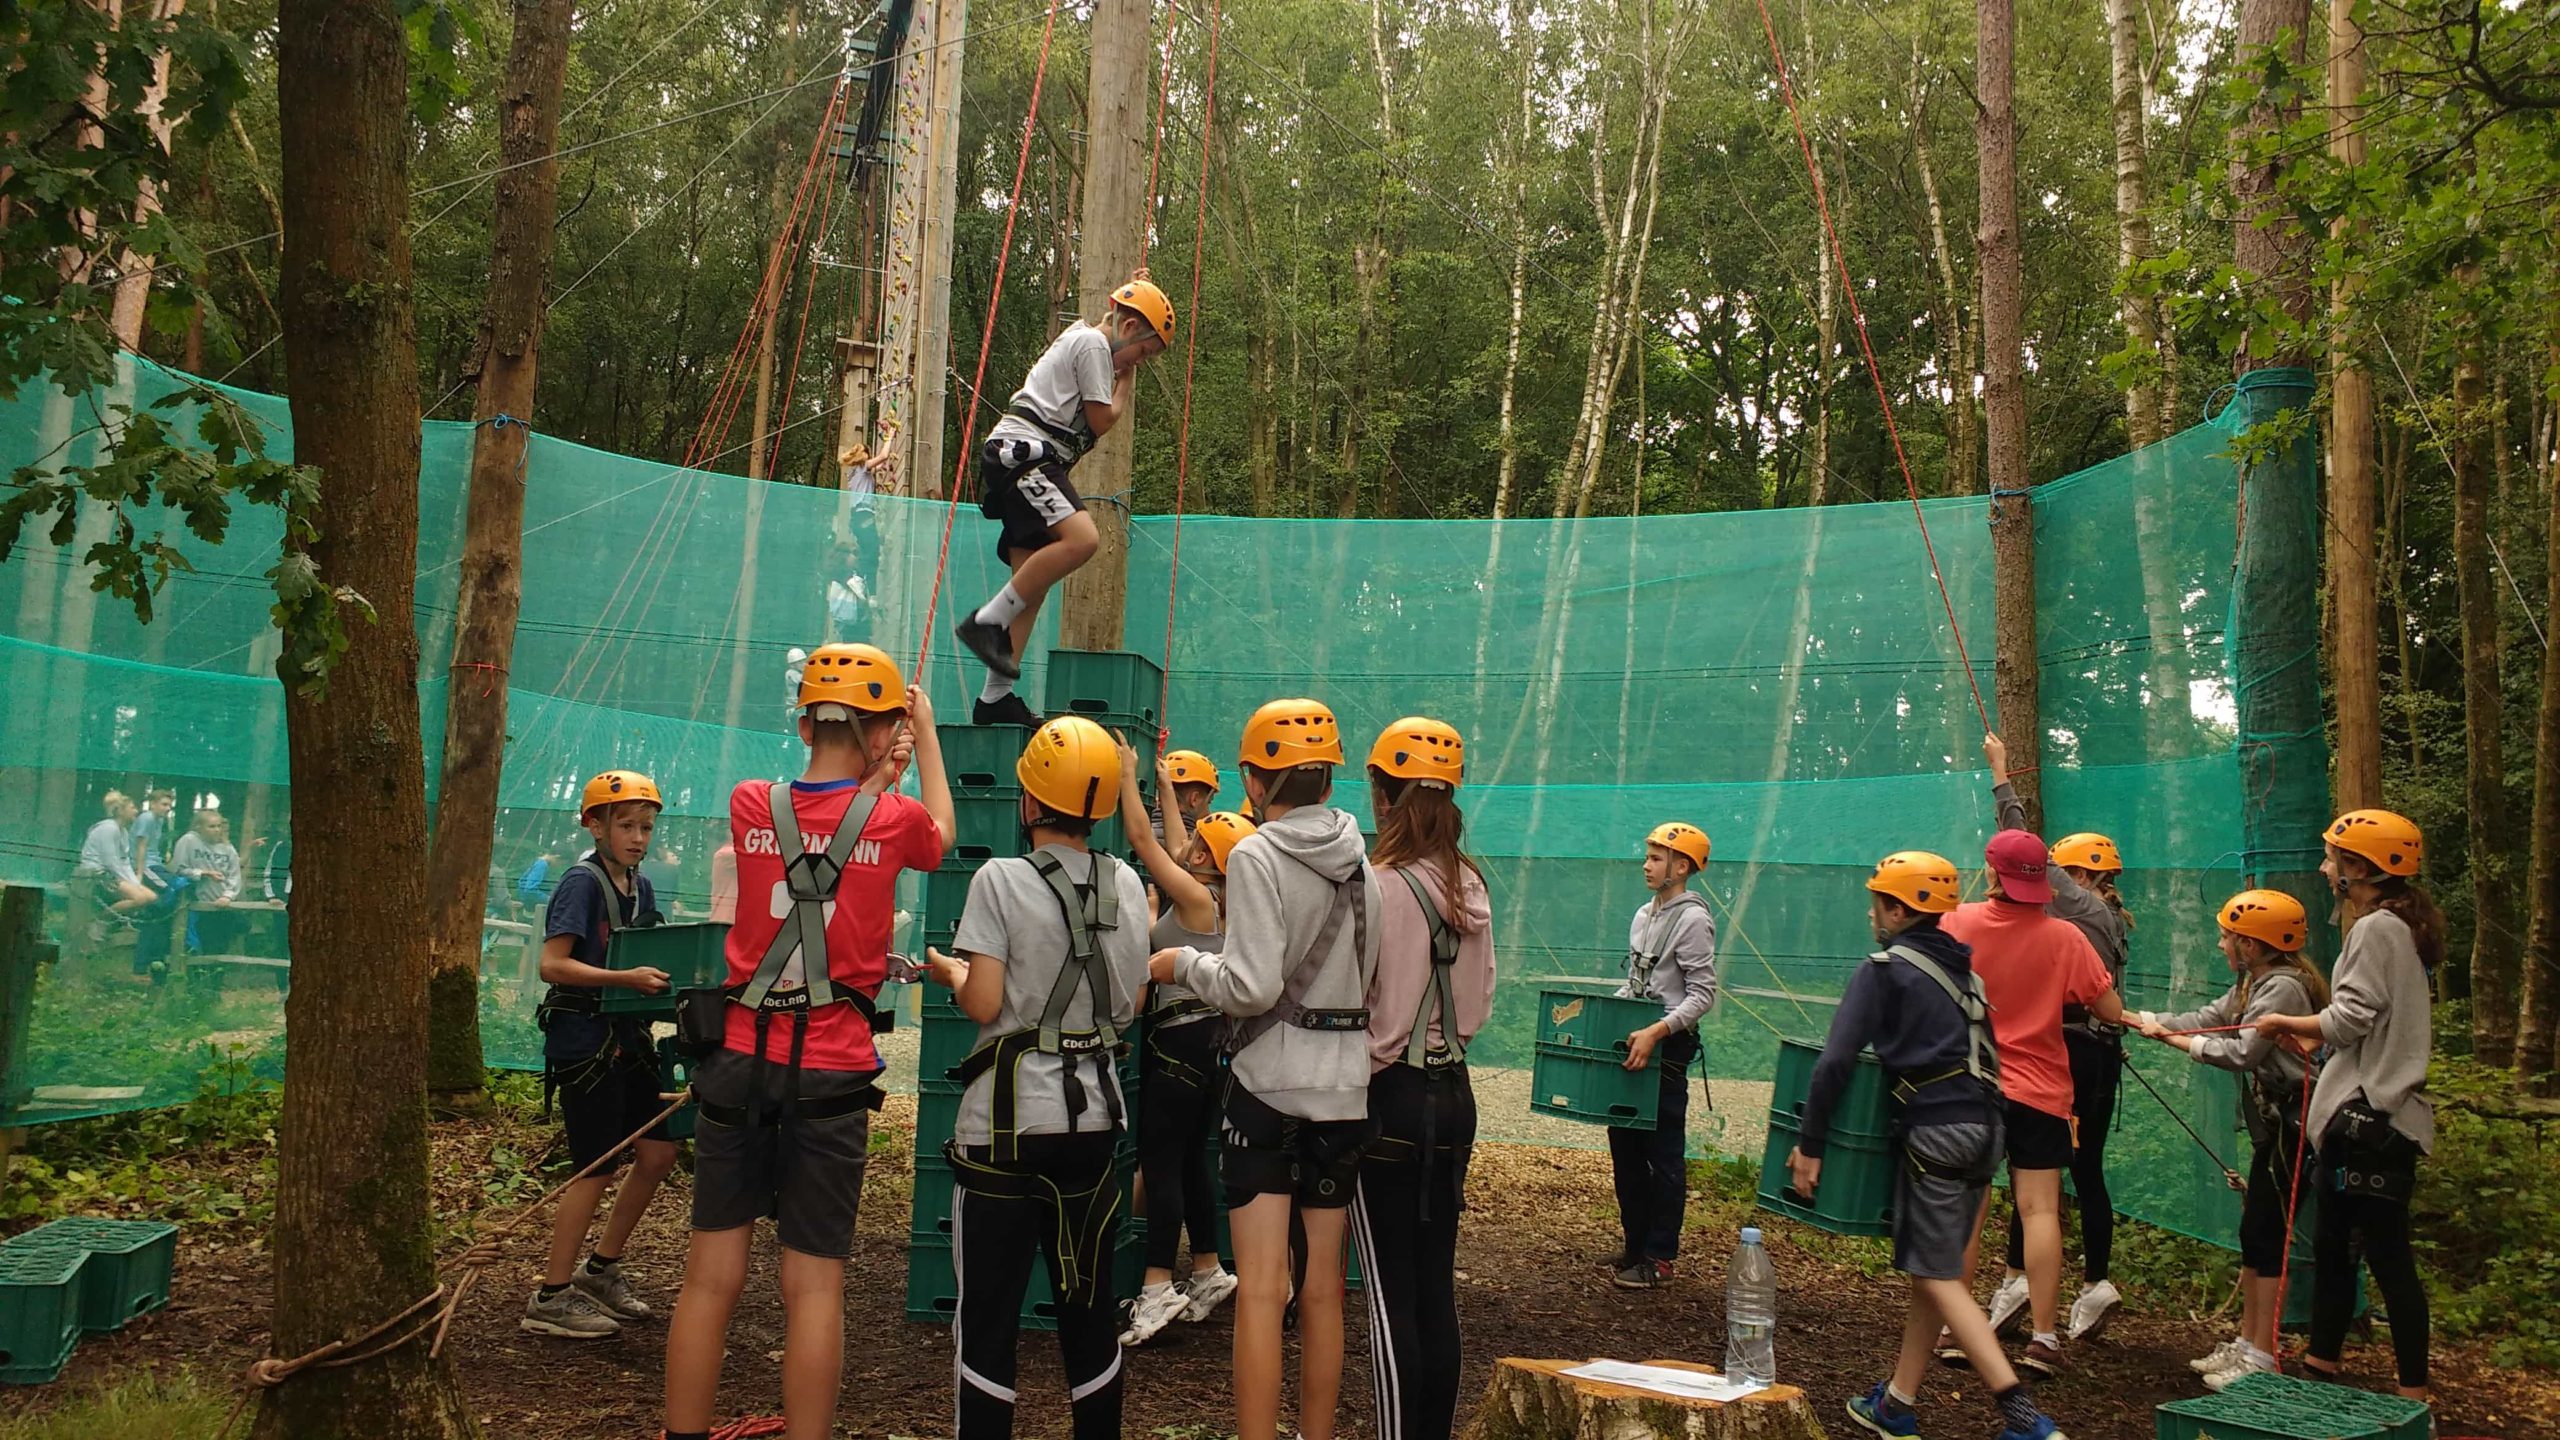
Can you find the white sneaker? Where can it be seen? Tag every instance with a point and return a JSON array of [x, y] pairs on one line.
[[2008, 1304], [1156, 1307], [2095, 1307], [1209, 1290], [2218, 1357], [2241, 1366]]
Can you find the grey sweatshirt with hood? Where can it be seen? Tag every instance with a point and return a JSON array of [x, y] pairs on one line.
[[1280, 886], [1671, 957]]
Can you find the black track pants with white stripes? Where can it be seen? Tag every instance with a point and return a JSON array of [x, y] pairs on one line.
[[1067, 1214], [1405, 1222]]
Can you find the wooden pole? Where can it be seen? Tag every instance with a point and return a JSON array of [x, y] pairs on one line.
[[23, 952], [933, 295], [2354, 630], [2004, 394], [911, 125], [1114, 246]]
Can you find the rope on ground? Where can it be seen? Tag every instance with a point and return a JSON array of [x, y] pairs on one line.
[[1875, 372], [437, 1305], [986, 341], [1190, 366]]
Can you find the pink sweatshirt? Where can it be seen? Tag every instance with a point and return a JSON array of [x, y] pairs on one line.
[[1404, 962]]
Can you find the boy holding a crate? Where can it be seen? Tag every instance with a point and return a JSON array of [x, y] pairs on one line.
[[1671, 957], [1919, 1006], [602, 1068]]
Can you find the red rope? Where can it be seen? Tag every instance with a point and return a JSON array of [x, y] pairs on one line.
[[1875, 372], [1190, 361], [1155, 153], [780, 416], [2293, 1194], [986, 341]]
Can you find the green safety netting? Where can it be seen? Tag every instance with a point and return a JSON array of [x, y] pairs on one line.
[[1785, 679]]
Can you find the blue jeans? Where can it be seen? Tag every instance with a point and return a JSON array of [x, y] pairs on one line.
[[151, 922], [1651, 1167]]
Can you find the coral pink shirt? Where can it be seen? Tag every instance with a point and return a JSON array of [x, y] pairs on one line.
[[2031, 965]]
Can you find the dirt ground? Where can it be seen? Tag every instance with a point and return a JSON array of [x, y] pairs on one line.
[[1538, 1219]]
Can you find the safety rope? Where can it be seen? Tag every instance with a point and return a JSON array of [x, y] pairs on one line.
[[1875, 372], [808, 294], [1735, 923], [986, 341], [1190, 363]]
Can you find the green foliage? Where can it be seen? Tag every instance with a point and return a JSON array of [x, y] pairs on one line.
[[144, 1407], [2487, 1207], [157, 1164]]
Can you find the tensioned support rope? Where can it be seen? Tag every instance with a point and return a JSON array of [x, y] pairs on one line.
[[1190, 364], [1875, 372]]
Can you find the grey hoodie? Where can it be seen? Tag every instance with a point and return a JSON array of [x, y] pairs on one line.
[[1280, 885], [1671, 957]]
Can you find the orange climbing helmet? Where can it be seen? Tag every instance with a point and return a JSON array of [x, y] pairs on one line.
[[1140, 297], [613, 787], [1190, 767], [1220, 830], [2088, 850], [1682, 839], [2390, 841], [1423, 750], [2270, 916], [1072, 768], [836, 681], [1925, 882], [1286, 734]]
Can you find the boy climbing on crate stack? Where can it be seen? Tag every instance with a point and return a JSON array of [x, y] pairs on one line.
[[1671, 957], [602, 1069], [1076, 391], [1919, 1005]]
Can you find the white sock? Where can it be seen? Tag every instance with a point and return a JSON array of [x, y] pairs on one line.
[[1160, 1287], [2047, 1337], [2256, 1356], [998, 687], [1905, 1401], [1002, 609]]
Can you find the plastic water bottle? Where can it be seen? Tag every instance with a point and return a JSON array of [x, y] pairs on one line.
[[1751, 1314]]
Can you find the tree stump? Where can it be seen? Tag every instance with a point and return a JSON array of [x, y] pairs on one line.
[[1535, 1400]]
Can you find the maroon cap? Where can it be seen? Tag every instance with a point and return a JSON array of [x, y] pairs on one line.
[[2019, 858]]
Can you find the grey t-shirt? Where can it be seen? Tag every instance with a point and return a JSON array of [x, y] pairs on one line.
[[1014, 916], [1169, 933], [107, 850], [1074, 369]]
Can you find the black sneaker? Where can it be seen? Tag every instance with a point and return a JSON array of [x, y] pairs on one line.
[[1008, 711], [1643, 1275], [1615, 1261], [992, 644]]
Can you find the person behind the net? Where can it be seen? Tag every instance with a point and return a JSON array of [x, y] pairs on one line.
[[603, 1069], [1051, 959], [1301, 945], [1918, 1005], [2034, 966], [2371, 1117], [2262, 932], [1671, 960], [2083, 870], [1077, 390], [1431, 994], [1179, 1070], [785, 1103]]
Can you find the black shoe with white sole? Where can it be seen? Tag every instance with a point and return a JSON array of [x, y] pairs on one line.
[[992, 644]]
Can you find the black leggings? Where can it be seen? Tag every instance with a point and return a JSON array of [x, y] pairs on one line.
[[1405, 1222], [2272, 1185], [1066, 1202], [1177, 1113], [2383, 1227], [2097, 1070]]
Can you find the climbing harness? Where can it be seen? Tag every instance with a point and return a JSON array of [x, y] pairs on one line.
[[620, 912], [1348, 897], [1084, 1217], [1087, 914], [1981, 1057], [1439, 997]]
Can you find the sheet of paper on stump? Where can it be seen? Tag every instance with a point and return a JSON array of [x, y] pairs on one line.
[[1685, 1384]]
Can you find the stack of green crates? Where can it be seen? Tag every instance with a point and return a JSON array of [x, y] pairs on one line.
[[694, 957], [1123, 693], [1579, 1070], [2280, 1407], [1856, 1193], [75, 1276]]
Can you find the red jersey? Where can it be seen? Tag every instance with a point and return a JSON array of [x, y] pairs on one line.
[[900, 835], [2031, 965]]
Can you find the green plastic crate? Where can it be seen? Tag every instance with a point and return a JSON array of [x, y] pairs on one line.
[[1865, 1109], [1856, 1193], [2397, 1417], [980, 758], [937, 1112], [1589, 1017], [2241, 1414], [694, 956], [987, 827], [40, 1305], [1593, 1085], [948, 1039], [1105, 682], [946, 892], [129, 1269]]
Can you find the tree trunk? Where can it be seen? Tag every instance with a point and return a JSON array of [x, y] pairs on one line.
[[351, 1242], [2268, 243], [1114, 246], [133, 273], [492, 578], [1368, 272], [1517, 138], [2354, 633], [2013, 519], [2538, 1038], [2133, 222], [2493, 935], [1535, 1400], [1964, 422]]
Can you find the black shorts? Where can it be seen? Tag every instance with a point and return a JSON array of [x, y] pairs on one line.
[[1024, 486], [1268, 1153], [603, 1098], [806, 1175], [2037, 1141]]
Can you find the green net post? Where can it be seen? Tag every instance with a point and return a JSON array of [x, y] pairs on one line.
[[2274, 636]]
